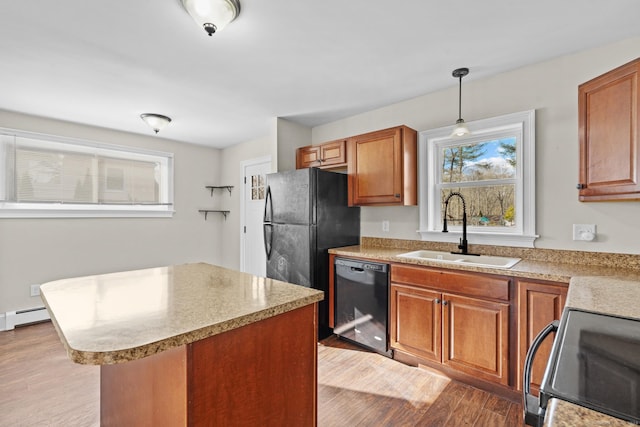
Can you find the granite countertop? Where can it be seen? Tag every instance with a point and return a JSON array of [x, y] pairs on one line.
[[118, 317], [609, 296], [555, 266]]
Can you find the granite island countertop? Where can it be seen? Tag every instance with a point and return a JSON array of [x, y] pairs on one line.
[[119, 317]]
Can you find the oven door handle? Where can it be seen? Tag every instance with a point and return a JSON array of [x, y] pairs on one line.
[[532, 415]]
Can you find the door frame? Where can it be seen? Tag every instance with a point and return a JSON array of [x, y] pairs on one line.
[[243, 166]]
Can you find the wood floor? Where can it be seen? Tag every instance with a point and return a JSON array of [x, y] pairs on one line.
[[40, 386]]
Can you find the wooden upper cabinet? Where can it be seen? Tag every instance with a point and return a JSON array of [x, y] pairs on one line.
[[382, 168], [539, 303], [329, 155], [609, 113]]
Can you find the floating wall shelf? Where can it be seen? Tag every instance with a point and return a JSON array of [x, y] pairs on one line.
[[213, 187], [206, 211], [223, 212]]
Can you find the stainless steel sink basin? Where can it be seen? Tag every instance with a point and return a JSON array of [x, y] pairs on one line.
[[449, 258]]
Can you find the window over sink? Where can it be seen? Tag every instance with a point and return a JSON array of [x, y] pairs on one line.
[[493, 168], [50, 176]]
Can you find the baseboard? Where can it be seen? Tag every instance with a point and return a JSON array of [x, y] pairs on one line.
[[11, 319]]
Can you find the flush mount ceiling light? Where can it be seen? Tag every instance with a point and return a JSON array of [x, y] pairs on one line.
[[212, 15], [156, 121], [461, 128]]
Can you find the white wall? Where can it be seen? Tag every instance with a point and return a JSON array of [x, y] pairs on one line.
[[290, 136], [34, 251], [230, 174], [551, 88]]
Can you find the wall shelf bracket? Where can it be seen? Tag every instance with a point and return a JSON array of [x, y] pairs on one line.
[[213, 187], [206, 211]]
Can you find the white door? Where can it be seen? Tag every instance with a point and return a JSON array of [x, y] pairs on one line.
[[253, 258]]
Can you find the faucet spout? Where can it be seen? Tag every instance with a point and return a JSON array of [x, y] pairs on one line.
[[464, 244]]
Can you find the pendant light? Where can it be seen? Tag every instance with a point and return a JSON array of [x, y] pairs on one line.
[[461, 128], [155, 121], [212, 15]]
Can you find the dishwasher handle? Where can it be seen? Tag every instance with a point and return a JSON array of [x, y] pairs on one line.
[[360, 266]]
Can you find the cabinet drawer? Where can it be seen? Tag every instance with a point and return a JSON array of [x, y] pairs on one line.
[[475, 284], [415, 275], [472, 284]]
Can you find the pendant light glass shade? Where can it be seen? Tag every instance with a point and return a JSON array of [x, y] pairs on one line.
[[157, 122], [461, 128], [212, 15]]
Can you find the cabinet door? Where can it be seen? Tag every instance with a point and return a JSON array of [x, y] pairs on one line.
[[382, 168], [415, 321], [307, 157], [333, 153], [538, 305], [609, 113], [476, 337]]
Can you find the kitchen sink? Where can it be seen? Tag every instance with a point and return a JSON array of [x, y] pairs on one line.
[[449, 258]]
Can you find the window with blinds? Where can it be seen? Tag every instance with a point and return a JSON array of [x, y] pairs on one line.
[[51, 176]]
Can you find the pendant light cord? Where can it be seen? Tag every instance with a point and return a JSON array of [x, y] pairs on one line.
[[460, 98]]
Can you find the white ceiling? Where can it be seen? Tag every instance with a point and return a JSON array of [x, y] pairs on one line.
[[104, 62]]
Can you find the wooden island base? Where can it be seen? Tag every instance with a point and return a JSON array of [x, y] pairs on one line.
[[262, 374]]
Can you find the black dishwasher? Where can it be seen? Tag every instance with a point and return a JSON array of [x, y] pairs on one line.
[[362, 301]]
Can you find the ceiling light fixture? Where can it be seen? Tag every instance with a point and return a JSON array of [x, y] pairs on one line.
[[212, 15], [461, 128], [156, 121]]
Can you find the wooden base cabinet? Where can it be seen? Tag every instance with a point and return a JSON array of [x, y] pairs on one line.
[[539, 303], [476, 337], [416, 321], [468, 334]]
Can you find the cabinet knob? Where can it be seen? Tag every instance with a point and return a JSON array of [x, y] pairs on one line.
[[437, 300], [581, 186], [445, 302], [397, 196]]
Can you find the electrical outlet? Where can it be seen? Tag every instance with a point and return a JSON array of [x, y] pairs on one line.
[[35, 290], [585, 232], [385, 226]]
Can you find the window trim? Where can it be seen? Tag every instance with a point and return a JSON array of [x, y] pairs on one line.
[[9, 209], [429, 205]]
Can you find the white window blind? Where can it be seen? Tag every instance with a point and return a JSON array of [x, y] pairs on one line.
[[45, 175]]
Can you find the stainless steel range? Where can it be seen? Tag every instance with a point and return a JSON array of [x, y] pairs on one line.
[[594, 362]]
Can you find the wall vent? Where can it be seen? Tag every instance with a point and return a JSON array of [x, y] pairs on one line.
[[11, 319]]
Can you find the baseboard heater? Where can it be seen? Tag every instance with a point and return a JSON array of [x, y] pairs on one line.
[[23, 317]]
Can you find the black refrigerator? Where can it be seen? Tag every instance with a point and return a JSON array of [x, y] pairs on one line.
[[306, 213]]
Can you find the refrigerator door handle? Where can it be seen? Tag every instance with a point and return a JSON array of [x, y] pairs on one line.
[[268, 206], [268, 240]]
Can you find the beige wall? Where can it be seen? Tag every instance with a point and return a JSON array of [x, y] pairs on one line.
[[551, 88], [34, 251]]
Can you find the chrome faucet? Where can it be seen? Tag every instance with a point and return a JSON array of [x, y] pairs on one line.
[[464, 245]]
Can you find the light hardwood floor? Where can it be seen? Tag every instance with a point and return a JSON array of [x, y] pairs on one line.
[[40, 386]]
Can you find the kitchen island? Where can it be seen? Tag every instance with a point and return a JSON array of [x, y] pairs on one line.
[[192, 344]]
